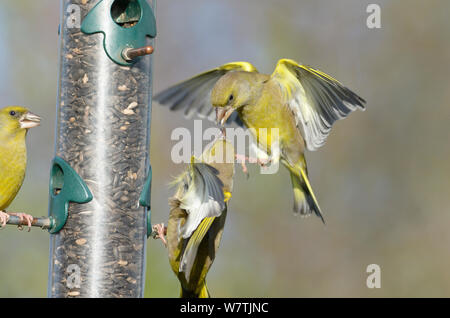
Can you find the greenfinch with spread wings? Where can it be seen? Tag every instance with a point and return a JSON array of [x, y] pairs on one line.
[[14, 124], [301, 102], [197, 217]]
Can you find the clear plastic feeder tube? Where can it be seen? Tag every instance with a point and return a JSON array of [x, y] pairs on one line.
[[103, 133]]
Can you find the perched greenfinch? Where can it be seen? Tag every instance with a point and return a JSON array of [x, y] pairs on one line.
[[197, 217], [301, 102], [14, 124]]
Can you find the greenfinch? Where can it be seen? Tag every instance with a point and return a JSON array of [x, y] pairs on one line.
[[197, 217], [14, 124], [301, 102]]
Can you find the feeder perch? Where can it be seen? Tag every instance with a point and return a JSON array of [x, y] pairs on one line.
[[44, 223]]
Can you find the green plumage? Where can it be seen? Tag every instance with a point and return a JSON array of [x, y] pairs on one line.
[[301, 102], [192, 249]]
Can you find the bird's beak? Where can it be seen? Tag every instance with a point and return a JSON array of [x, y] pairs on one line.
[[223, 113], [29, 120]]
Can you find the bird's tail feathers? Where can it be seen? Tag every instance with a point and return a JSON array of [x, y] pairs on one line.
[[191, 249], [305, 202], [202, 292]]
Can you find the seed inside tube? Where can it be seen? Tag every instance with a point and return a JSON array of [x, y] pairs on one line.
[[103, 132]]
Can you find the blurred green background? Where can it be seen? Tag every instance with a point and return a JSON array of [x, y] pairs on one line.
[[382, 179]]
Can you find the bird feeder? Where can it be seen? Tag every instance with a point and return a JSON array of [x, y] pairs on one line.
[[100, 176]]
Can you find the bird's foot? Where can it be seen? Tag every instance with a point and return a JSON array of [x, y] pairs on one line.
[[4, 217], [23, 216], [160, 232], [263, 162], [242, 159]]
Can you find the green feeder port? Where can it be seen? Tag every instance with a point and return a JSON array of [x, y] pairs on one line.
[[125, 24], [145, 200], [65, 186]]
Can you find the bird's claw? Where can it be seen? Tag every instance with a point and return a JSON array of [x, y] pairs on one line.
[[4, 217], [160, 232], [263, 162], [23, 216], [242, 159]]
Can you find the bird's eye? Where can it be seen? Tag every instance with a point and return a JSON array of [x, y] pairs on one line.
[[231, 98], [12, 113]]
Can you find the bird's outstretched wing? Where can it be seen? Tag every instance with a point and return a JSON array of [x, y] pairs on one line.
[[193, 96], [316, 99], [203, 197], [203, 201]]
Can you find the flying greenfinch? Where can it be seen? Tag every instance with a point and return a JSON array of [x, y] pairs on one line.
[[197, 217], [301, 102], [14, 124]]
